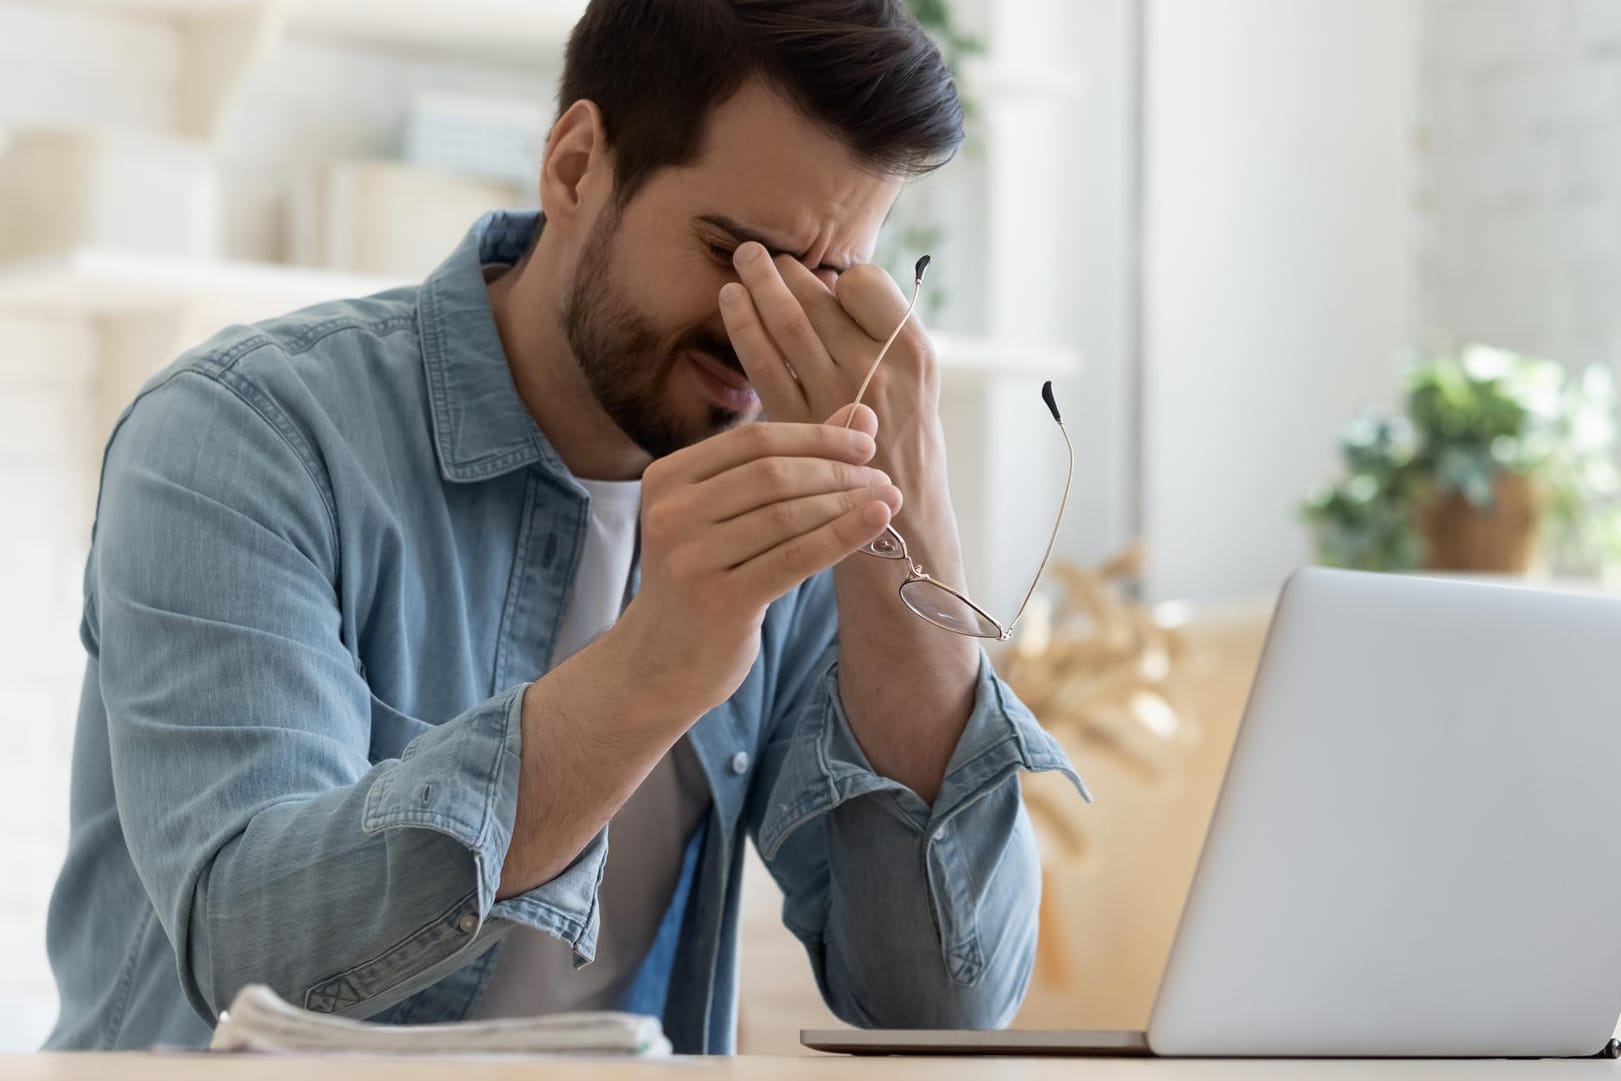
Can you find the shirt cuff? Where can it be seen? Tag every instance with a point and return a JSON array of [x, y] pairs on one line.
[[461, 779], [825, 765]]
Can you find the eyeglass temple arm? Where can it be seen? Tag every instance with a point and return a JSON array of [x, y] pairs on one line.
[[917, 287], [1047, 396]]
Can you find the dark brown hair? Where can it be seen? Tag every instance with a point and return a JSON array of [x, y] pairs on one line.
[[863, 69]]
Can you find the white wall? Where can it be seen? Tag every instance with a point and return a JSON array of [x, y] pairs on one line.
[[47, 476], [1035, 256], [66, 68], [1524, 177], [1096, 255], [1280, 266], [76, 68]]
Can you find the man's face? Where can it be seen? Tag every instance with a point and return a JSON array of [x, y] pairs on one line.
[[642, 313]]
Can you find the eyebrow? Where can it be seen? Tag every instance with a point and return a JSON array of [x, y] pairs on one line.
[[743, 234]]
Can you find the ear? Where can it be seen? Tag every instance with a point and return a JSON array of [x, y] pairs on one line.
[[577, 171]]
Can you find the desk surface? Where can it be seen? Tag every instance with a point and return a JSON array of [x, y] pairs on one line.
[[140, 1067]]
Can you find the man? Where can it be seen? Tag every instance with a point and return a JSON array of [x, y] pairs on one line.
[[377, 651]]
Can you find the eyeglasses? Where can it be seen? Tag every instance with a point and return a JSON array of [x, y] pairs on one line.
[[943, 606]]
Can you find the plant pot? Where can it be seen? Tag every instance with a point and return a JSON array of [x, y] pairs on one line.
[[1502, 539]]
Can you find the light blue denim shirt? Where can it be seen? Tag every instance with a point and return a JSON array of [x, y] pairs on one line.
[[330, 550]]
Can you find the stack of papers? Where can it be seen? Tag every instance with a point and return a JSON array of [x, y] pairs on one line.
[[259, 1020]]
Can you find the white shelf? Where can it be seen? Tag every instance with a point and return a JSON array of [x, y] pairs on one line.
[[489, 29], [91, 282], [986, 356], [497, 29], [160, 9], [88, 282]]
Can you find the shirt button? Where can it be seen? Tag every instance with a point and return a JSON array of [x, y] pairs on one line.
[[940, 834], [468, 923], [740, 762]]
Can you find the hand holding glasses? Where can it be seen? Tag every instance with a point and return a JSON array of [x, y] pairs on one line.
[[935, 601]]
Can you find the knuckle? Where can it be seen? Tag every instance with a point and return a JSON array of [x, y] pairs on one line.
[[660, 519], [857, 476], [800, 329], [774, 473], [756, 438], [788, 558], [820, 302], [783, 517], [653, 476]]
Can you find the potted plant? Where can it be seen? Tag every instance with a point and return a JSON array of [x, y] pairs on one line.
[[1496, 457]]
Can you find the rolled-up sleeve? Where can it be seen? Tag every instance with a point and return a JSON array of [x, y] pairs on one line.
[[271, 844], [914, 916]]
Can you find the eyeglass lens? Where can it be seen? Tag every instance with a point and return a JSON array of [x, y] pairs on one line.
[[946, 610]]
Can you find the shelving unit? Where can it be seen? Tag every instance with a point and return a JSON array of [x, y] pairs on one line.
[[91, 282], [487, 28], [1003, 461]]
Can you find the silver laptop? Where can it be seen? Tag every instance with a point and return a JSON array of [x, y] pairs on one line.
[[1414, 852]]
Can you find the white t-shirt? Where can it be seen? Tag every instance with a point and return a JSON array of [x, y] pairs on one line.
[[534, 972]]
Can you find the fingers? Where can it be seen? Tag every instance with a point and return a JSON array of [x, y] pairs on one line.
[[766, 481], [865, 420], [783, 316], [872, 299], [777, 439], [764, 528], [773, 379], [777, 570], [840, 334]]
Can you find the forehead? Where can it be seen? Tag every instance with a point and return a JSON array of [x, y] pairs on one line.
[[765, 165]]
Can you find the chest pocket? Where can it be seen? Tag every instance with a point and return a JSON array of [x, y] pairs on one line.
[[391, 730]]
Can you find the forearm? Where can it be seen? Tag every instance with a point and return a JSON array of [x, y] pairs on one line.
[[911, 913], [949, 942], [907, 685], [309, 902], [343, 887], [590, 737]]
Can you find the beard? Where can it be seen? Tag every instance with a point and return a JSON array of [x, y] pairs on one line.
[[628, 363]]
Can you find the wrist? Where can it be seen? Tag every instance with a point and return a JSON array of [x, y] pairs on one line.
[[618, 672], [661, 681]]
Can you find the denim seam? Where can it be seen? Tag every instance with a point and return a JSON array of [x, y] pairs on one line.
[[959, 938], [481, 833], [217, 378], [254, 397], [514, 591], [407, 950], [438, 396], [565, 925], [820, 798], [311, 336], [428, 322], [126, 981]]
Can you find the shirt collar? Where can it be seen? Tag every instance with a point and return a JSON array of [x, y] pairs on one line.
[[481, 428]]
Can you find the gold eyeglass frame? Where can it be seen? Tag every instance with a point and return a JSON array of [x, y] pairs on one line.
[[891, 545]]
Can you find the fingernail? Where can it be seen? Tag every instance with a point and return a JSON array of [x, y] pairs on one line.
[[731, 293], [749, 253]]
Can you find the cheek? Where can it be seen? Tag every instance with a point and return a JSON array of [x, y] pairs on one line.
[[692, 301]]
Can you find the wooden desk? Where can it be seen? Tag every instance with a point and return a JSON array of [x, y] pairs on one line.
[[256, 1068]]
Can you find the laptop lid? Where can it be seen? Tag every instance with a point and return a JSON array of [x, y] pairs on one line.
[[1413, 852]]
